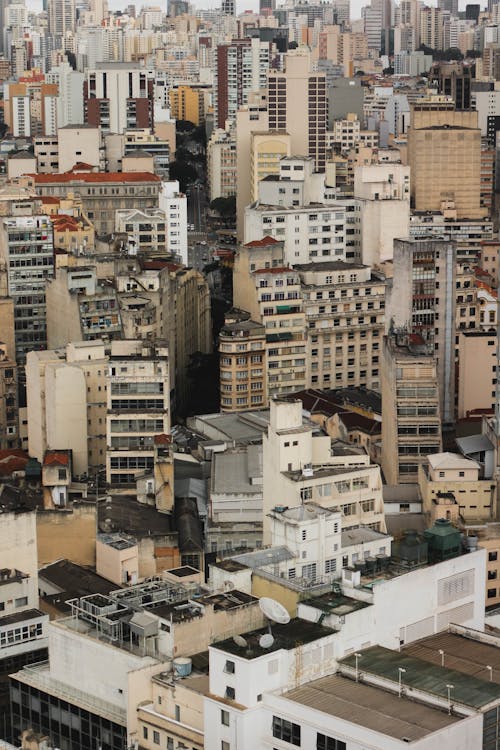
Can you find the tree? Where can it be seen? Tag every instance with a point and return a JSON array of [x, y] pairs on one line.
[[225, 207], [184, 126], [183, 172]]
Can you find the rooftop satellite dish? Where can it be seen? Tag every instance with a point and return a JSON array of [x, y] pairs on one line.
[[240, 641], [266, 640], [273, 610]]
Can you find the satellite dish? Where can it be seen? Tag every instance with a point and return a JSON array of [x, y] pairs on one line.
[[266, 640], [240, 641], [273, 610]]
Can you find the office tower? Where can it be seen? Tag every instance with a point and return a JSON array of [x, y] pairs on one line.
[[118, 97], [306, 124], [61, 18], [228, 7], [411, 424], [444, 153], [27, 252], [241, 68], [138, 390], [453, 79], [266, 6]]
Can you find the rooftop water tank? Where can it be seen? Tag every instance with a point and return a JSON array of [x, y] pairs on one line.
[[183, 666], [443, 540]]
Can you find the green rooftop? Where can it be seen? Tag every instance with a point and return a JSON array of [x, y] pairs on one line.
[[430, 678]]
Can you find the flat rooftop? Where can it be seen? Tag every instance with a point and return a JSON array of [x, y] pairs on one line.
[[427, 676], [335, 604], [465, 655], [285, 637], [372, 707]]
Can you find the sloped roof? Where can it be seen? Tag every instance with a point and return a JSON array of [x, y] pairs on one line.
[[451, 461]]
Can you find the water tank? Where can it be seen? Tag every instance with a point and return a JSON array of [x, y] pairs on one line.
[[471, 543], [411, 550], [183, 666], [443, 540]]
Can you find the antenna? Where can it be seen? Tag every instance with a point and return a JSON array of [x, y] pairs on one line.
[[273, 610], [240, 641], [266, 640]]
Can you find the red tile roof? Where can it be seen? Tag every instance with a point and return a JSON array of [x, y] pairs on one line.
[[56, 459], [51, 199], [162, 439], [12, 460], [81, 166], [267, 240], [279, 269], [47, 179]]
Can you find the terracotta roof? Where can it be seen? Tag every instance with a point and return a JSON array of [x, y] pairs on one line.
[[47, 179], [81, 166], [63, 221], [157, 265], [56, 459], [267, 240], [12, 460], [51, 199], [162, 439]]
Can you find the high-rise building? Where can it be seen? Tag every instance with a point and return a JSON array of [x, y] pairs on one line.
[[70, 94], [27, 257], [431, 27], [454, 79], [118, 96], [449, 5], [444, 153], [241, 68], [305, 125], [411, 422], [138, 390], [9, 427], [61, 18], [228, 7]]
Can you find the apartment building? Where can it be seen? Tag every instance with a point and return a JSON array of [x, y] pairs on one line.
[[344, 307], [9, 415], [411, 417], [79, 144], [67, 402], [270, 292], [138, 400], [174, 205], [307, 126], [146, 230], [27, 259], [299, 465], [444, 154], [187, 103], [477, 377], [250, 118], [267, 151], [102, 194], [241, 67], [221, 164], [118, 96], [243, 364]]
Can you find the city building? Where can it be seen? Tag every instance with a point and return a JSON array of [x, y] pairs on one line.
[[118, 96], [221, 164], [243, 368]]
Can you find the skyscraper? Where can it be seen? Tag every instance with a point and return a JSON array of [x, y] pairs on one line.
[[61, 18]]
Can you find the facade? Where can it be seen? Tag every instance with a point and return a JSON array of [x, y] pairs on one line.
[[27, 252], [187, 103], [138, 400], [243, 368], [79, 144], [174, 204], [307, 128], [103, 193], [344, 305], [118, 97], [221, 164], [146, 230], [477, 381], [411, 421], [9, 415]]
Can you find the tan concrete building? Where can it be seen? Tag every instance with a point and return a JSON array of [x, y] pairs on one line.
[[252, 118], [9, 427], [266, 152], [187, 103], [243, 365], [117, 558], [66, 396], [221, 164], [476, 371], [344, 305], [451, 476], [444, 153], [80, 144], [411, 422]]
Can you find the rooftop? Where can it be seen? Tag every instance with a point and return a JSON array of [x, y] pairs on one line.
[[336, 604], [285, 637], [98, 177], [371, 707], [423, 674], [450, 461]]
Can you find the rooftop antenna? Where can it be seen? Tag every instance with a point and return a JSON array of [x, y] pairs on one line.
[[266, 640], [240, 641]]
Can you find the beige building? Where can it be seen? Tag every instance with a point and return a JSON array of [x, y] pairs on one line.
[[9, 427], [267, 150], [117, 558], [80, 144], [271, 293], [476, 371], [344, 305], [455, 478], [411, 423], [145, 230], [66, 397], [221, 164], [444, 154], [243, 365], [251, 118]]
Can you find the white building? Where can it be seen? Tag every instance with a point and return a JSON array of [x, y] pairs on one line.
[[70, 97], [146, 229], [174, 204]]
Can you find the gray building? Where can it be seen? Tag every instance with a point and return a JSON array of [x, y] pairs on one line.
[[345, 95]]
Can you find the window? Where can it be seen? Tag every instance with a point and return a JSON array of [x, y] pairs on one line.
[[304, 535], [286, 731], [177, 713], [224, 718], [492, 593], [145, 732], [330, 566], [225, 745], [156, 737], [328, 743], [21, 602], [229, 667], [492, 556], [230, 692]]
